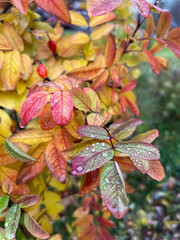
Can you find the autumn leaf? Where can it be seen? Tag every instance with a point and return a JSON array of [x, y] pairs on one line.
[[110, 50], [32, 105], [142, 6], [27, 200], [85, 73], [150, 25], [22, 5], [148, 137], [164, 24], [78, 19], [4, 200], [156, 170], [95, 119], [91, 158], [113, 190], [93, 132], [5, 44], [62, 107], [95, 21], [56, 7], [46, 120], [100, 7]]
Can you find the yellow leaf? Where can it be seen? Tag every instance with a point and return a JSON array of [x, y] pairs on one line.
[[26, 66], [21, 87], [56, 237], [11, 100], [34, 77], [45, 223], [70, 65], [55, 68], [102, 31], [32, 136], [1, 59], [20, 20], [41, 26], [6, 125], [79, 38], [11, 69], [102, 19], [5, 44], [78, 19], [16, 41]]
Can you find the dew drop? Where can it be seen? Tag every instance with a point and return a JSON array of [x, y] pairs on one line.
[[92, 135], [6, 224], [107, 180], [93, 150], [79, 169], [87, 148], [103, 144], [56, 101], [104, 154]]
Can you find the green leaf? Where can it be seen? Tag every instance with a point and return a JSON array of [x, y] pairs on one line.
[[34, 228], [16, 152], [27, 200], [93, 132], [91, 158], [12, 221], [112, 188], [4, 200]]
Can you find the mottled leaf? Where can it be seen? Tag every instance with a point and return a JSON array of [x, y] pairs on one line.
[[156, 170], [21, 5], [4, 200], [56, 7], [124, 130], [148, 137], [32, 105], [34, 228], [12, 221], [93, 132], [16, 152], [100, 7], [28, 200], [85, 73], [142, 6], [95, 119], [112, 188], [62, 107], [91, 158]]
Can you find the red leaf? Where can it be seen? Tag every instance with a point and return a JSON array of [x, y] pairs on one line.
[[32, 105], [56, 7], [128, 87], [156, 170], [21, 5], [103, 234], [62, 107], [142, 6], [100, 81], [105, 222], [155, 66], [133, 107], [55, 161], [110, 50], [100, 7], [91, 181], [164, 24]]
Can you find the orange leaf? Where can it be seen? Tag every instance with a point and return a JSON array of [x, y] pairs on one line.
[[156, 170], [56, 7], [55, 161], [110, 50], [125, 164], [100, 81], [21, 5], [91, 181], [102, 19], [150, 25], [85, 73], [46, 120], [84, 221], [164, 24], [30, 170], [133, 107], [155, 66]]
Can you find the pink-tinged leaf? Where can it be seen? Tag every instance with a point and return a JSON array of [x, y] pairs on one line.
[[142, 6], [95, 119], [62, 107], [100, 7], [34, 228], [128, 87], [148, 137], [56, 7], [142, 165], [112, 189], [110, 50], [56, 162], [133, 107], [138, 150], [156, 170], [93, 132], [21, 5], [124, 130], [85, 73], [91, 158], [32, 105], [27, 200], [164, 24]]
